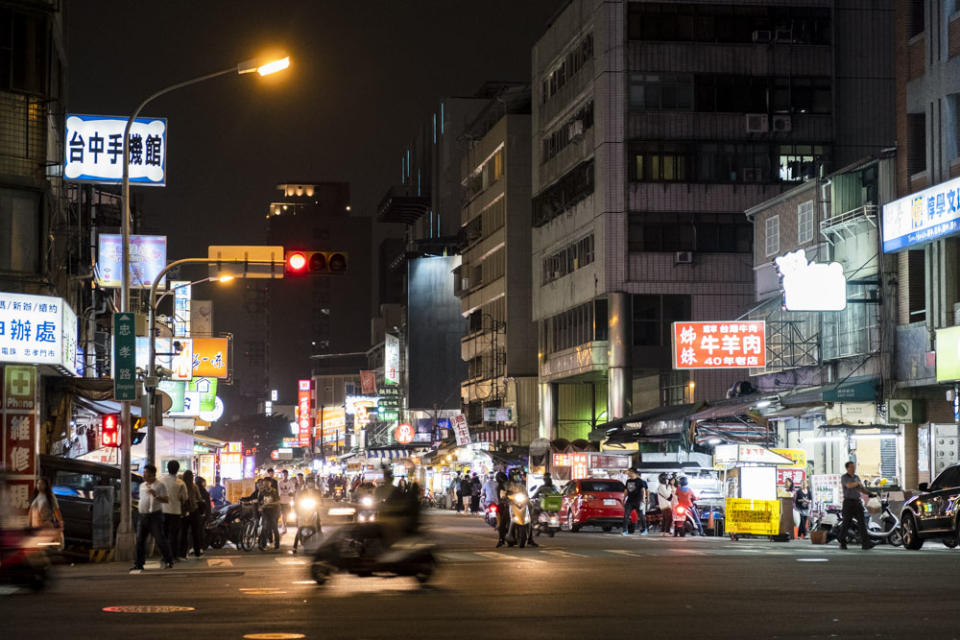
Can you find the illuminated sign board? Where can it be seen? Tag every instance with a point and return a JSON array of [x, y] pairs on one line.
[[808, 286], [38, 330], [93, 149], [922, 217], [391, 359], [304, 421], [182, 294], [148, 257], [948, 354], [404, 434], [719, 345], [210, 357]]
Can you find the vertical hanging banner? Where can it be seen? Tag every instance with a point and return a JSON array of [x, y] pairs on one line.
[[391, 360], [124, 357], [304, 414], [461, 430], [19, 417], [368, 382]]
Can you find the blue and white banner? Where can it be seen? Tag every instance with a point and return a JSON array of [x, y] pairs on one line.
[[93, 149], [922, 217], [38, 330]]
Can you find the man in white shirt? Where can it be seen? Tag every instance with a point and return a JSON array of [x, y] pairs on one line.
[[153, 495], [176, 493]]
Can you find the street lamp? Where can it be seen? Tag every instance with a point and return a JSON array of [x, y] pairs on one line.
[[125, 535]]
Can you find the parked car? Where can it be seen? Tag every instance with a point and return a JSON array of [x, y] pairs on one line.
[[933, 514], [73, 483], [592, 502]]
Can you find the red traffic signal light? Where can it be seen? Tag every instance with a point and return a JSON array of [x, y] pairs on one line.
[[110, 430], [301, 263]]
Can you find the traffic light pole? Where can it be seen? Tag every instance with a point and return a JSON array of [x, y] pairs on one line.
[[151, 380]]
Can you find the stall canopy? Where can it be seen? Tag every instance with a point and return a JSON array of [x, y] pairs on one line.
[[658, 423], [735, 420]]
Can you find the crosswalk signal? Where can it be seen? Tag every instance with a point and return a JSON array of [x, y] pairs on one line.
[[138, 433], [302, 263], [109, 430]]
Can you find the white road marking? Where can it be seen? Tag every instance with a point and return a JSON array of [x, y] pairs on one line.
[[562, 554], [293, 561], [625, 552], [812, 560], [219, 562]]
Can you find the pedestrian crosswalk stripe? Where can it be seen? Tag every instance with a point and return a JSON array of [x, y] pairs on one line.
[[625, 552], [290, 561], [562, 554], [494, 555]]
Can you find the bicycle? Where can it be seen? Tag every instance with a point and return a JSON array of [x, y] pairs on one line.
[[250, 515]]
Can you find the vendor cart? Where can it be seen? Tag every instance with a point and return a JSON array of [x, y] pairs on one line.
[[751, 503]]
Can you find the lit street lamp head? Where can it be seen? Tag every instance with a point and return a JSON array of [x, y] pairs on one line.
[[263, 68]]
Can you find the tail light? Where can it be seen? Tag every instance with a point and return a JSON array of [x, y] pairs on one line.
[[492, 508], [588, 497]]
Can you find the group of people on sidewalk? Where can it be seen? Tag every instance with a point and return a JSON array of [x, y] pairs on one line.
[[174, 510]]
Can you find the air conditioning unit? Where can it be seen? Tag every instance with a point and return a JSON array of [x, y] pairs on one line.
[[782, 123], [905, 411], [757, 123], [575, 129], [683, 257], [762, 36]]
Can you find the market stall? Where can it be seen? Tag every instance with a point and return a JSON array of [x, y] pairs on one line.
[[751, 502]]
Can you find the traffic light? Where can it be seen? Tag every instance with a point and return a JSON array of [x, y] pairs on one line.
[[110, 431], [137, 432], [303, 263]]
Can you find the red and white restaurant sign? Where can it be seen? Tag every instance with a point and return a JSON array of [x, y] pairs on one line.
[[460, 429], [304, 414], [719, 345], [18, 440]]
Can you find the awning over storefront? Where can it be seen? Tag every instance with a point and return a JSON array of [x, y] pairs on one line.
[[660, 421], [105, 407], [734, 420], [387, 454]]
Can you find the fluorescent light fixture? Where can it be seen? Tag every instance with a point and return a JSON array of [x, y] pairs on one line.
[[763, 404], [875, 436], [714, 441]]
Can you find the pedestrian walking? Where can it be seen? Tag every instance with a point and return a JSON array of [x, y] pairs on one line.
[[153, 495], [44, 511], [801, 501], [190, 524], [475, 488], [172, 507], [458, 487], [665, 495], [634, 499], [853, 506]]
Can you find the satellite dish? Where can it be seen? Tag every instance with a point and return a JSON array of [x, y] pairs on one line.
[[166, 402]]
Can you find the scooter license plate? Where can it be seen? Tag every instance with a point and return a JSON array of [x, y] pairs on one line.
[[609, 503]]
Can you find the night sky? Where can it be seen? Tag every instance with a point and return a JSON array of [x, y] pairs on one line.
[[364, 75]]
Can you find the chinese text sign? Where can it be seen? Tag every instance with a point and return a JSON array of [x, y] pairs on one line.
[[719, 345], [93, 149]]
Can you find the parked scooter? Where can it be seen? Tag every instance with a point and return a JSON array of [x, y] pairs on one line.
[[224, 525], [518, 532], [887, 529]]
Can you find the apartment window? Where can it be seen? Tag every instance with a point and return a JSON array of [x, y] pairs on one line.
[[800, 161], [23, 52], [805, 222], [661, 91], [568, 67], [654, 315], [727, 23], [730, 162], [916, 280], [663, 162], [564, 194], [569, 259], [19, 231], [916, 17], [570, 131], [772, 235], [916, 143]]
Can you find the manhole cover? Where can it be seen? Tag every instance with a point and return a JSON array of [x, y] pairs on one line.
[[273, 636], [146, 608]]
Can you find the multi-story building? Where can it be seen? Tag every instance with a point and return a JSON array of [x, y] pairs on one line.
[[324, 314], [920, 231], [655, 125], [428, 201], [494, 280]]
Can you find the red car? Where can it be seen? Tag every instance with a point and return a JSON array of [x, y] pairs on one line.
[[593, 502]]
